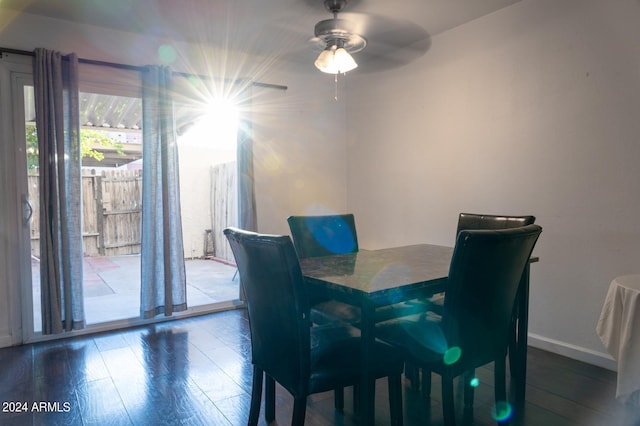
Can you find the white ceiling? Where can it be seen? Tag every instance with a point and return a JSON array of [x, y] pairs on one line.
[[398, 31]]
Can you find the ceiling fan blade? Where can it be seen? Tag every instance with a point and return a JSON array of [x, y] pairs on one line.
[[391, 42]]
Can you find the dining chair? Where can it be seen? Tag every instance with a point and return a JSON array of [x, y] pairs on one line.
[[284, 347], [325, 235], [475, 325], [488, 221], [483, 221]]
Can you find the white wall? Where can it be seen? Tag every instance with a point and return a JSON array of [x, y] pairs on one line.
[[531, 110], [300, 156]]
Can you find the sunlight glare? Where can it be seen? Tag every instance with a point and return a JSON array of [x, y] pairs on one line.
[[217, 126]]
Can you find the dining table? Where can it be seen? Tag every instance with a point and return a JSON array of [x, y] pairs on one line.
[[371, 279]]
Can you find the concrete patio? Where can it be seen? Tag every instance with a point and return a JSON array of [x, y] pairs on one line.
[[112, 286]]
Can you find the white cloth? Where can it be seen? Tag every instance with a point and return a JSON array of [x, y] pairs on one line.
[[619, 331]]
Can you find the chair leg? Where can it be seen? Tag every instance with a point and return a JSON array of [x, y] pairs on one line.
[[426, 383], [448, 409], [500, 386], [356, 399], [299, 410], [468, 396], [412, 372], [256, 396], [269, 399], [395, 399], [338, 398]]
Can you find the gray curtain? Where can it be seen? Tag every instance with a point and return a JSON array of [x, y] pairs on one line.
[[60, 155], [247, 218], [163, 284]]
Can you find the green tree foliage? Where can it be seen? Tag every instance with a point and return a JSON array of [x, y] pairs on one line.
[[88, 139]]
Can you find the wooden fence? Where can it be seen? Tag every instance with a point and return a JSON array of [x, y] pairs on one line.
[[111, 212]]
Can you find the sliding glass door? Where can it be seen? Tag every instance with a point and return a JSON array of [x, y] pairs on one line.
[[111, 136]]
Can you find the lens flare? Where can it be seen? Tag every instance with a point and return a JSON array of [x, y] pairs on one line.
[[502, 411], [452, 355], [333, 233], [474, 382], [167, 54]]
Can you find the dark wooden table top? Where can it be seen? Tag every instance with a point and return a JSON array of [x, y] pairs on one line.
[[384, 276]]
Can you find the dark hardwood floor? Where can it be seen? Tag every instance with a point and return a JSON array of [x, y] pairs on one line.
[[198, 372]]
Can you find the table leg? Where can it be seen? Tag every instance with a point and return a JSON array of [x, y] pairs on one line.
[[367, 380]]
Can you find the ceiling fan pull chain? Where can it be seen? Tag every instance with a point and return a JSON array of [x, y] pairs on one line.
[[335, 81]]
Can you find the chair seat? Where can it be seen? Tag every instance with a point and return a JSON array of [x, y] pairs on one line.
[[418, 337], [436, 303], [335, 357]]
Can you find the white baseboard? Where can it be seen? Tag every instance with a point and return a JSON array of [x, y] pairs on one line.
[[601, 359], [5, 341]]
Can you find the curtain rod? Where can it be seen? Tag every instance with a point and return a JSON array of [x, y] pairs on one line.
[[135, 68]]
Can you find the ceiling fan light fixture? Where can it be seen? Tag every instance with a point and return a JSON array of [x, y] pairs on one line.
[[338, 40], [343, 60], [334, 60], [325, 61]]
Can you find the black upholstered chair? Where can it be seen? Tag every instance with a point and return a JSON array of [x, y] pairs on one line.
[[474, 221], [284, 347], [325, 235], [475, 326], [489, 221]]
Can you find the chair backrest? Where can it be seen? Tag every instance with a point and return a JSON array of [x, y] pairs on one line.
[[315, 236], [488, 221], [484, 275], [277, 304]]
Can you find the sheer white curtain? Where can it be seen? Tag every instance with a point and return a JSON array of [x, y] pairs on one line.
[[57, 122], [163, 285]]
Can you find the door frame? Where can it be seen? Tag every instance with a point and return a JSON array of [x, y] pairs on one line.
[[15, 252], [16, 286]]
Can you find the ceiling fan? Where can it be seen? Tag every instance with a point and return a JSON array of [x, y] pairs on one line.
[[338, 39], [377, 42]]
